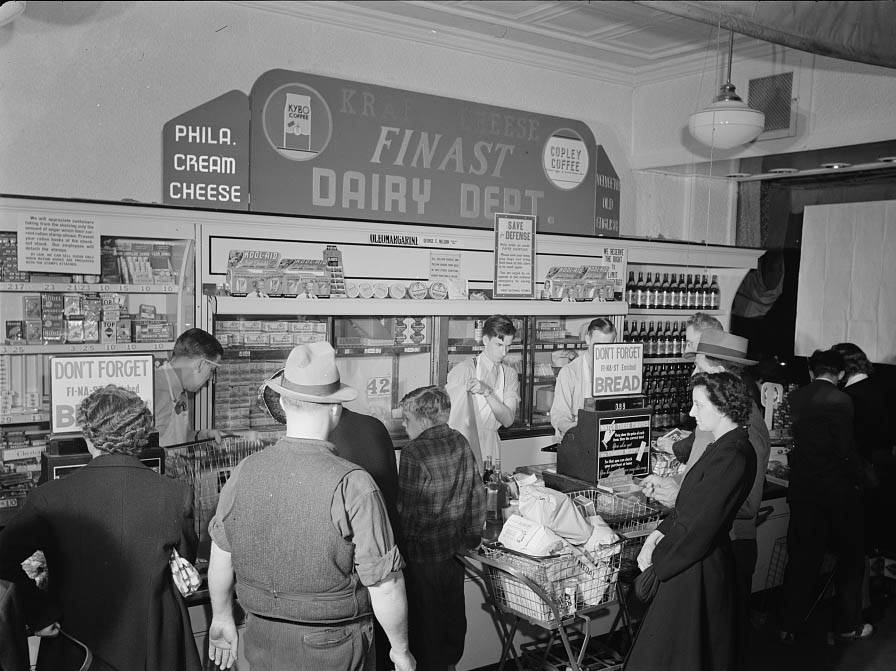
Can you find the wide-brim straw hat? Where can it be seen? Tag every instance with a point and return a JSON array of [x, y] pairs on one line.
[[270, 400], [721, 345], [311, 375]]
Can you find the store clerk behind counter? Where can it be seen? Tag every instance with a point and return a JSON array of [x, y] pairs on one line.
[[192, 364], [575, 376]]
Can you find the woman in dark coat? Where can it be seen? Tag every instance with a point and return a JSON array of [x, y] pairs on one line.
[[107, 531], [690, 623]]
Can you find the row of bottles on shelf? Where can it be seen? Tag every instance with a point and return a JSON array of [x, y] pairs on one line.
[[669, 411], [666, 387], [659, 339], [687, 292]]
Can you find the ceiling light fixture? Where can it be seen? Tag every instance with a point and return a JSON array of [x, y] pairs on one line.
[[10, 10], [835, 166], [728, 122]]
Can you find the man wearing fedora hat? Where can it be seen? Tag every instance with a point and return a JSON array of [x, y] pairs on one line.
[[364, 441], [306, 536], [718, 351]]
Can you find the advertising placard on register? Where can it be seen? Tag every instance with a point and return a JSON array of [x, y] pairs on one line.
[[617, 369]]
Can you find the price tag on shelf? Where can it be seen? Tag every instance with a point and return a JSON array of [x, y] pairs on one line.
[[379, 387], [373, 350]]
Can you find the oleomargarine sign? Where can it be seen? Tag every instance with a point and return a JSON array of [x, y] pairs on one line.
[[336, 148]]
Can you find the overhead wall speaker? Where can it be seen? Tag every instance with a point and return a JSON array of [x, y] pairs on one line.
[[773, 95]]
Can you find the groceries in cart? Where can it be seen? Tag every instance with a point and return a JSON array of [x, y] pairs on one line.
[[556, 511]]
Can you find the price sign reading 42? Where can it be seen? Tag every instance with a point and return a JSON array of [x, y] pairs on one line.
[[379, 386]]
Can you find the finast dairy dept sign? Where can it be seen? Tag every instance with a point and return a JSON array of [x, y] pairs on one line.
[[336, 148]]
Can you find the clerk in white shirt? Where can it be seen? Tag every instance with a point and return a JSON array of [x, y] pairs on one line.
[[569, 391], [493, 387]]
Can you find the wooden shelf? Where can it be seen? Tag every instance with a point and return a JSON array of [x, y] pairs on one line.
[[671, 312], [84, 348], [347, 307], [24, 417], [29, 287], [367, 350], [543, 346]]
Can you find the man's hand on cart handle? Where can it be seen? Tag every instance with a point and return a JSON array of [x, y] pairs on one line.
[[209, 434]]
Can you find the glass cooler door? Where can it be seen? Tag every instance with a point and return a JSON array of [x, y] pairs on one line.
[[254, 348], [556, 342], [383, 358], [465, 342]]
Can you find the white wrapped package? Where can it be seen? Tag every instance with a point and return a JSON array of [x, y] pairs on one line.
[[529, 537], [603, 538], [556, 511]]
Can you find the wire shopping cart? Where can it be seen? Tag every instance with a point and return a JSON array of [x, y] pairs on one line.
[[627, 516], [558, 593], [633, 519], [561, 594], [206, 466]]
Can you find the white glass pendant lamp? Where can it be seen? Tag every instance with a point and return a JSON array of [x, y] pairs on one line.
[[728, 122]]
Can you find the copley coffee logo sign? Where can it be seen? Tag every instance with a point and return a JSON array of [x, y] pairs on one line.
[[330, 147]]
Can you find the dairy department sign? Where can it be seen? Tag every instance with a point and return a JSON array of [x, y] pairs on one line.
[[336, 148]]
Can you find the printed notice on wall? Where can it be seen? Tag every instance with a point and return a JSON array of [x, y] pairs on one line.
[[72, 378], [444, 266], [614, 259], [514, 256], [58, 244]]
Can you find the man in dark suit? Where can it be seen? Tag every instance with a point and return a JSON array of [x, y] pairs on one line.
[[825, 501], [873, 440]]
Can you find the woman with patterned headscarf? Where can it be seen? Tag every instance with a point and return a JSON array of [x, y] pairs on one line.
[[107, 531]]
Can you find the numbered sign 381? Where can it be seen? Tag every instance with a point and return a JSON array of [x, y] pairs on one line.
[[72, 378], [617, 368]]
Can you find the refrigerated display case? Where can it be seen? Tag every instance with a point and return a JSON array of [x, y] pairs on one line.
[[556, 341], [255, 347], [384, 353], [383, 358]]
